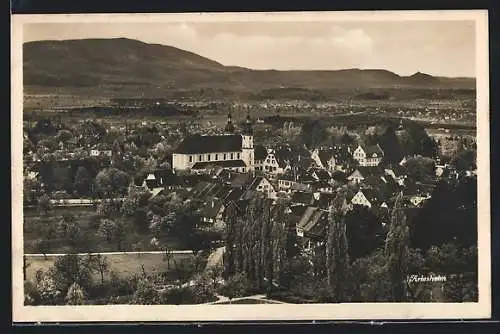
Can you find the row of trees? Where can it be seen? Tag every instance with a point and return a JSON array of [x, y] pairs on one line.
[[358, 261]]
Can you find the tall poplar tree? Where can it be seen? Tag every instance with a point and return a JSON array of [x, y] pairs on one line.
[[396, 250], [337, 257]]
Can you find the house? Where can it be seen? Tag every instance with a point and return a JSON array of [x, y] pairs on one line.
[[241, 180], [100, 153], [274, 163], [368, 155], [212, 212], [303, 198], [260, 156], [323, 187], [263, 185], [440, 169], [360, 199], [324, 158], [324, 200], [159, 179], [321, 175], [312, 226], [285, 183], [356, 177], [231, 151]]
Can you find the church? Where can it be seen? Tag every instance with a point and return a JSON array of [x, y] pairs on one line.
[[230, 150]]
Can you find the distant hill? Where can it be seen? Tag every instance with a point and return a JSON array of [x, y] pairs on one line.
[[127, 67]]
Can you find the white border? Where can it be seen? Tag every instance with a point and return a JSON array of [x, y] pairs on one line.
[[350, 311]]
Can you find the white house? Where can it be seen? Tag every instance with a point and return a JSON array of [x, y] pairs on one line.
[[273, 165], [356, 177], [368, 155], [261, 184], [360, 199]]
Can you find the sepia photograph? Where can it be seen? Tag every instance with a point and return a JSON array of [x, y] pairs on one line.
[[250, 166]]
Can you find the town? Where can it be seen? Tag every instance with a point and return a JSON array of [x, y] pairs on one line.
[[256, 209]]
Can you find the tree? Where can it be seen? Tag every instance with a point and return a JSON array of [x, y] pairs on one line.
[[370, 279], [236, 286], [107, 229], [69, 269], [64, 136], [389, 143], [112, 182], [67, 228], [75, 295], [145, 293], [337, 258], [108, 208], [83, 181], [47, 290], [101, 264], [44, 204], [140, 219], [203, 288], [168, 256], [420, 168], [364, 232], [464, 160], [215, 274], [396, 248], [26, 265], [112, 230], [313, 133]]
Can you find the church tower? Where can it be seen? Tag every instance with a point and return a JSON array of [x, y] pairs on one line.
[[229, 129], [247, 149]]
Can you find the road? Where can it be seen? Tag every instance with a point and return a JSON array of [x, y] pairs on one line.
[[114, 253], [215, 258]]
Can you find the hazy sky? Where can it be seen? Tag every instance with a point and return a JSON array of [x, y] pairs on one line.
[[445, 48]]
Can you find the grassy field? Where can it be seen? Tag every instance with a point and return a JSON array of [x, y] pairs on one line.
[[37, 226], [124, 265]]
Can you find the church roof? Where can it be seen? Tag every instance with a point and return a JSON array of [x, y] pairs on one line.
[[223, 164], [208, 144]]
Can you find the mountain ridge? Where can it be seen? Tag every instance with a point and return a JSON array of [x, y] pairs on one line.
[[129, 64]]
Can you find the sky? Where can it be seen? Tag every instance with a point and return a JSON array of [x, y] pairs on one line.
[[442, 48]]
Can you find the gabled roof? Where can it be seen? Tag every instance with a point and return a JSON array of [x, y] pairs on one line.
[[240, 180], [339, 176], [249, 194], [356, 174], [260, 152], [305, 177], [313, 221], [153, 183], [325, 155], [370, 171], [207, 144], [371, 149], [306, 163], [234, 195], [212, 208], [302, 197], [223, 164], [371, 195], [322, 174], [256, 182]]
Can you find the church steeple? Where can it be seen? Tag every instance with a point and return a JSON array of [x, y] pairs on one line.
[[229, 126], [247, 127]]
